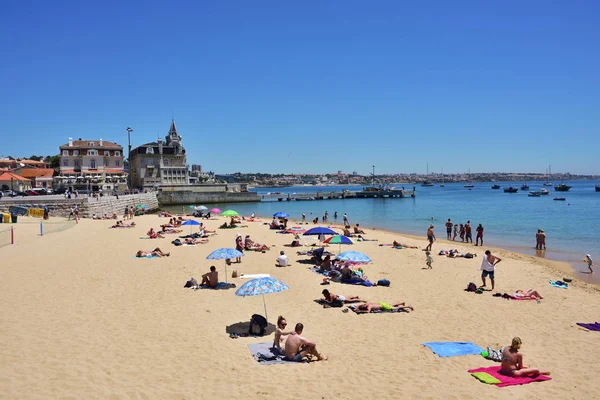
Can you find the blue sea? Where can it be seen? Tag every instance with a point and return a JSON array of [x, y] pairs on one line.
[[510, 220]]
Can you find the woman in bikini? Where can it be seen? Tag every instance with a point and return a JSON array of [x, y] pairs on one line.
[[512, 362], [278, 342]]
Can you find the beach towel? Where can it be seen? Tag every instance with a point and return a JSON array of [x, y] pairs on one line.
[[265, 354], [451, 349], [486, 378], [220, 286], [354, 307], [559, 285], [148, 256], [253, 276], [507, 380], [591, 327], [366, 283]]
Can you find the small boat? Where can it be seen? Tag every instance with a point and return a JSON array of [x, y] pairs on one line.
[[535, 193], [426, 183], [524, 187], [511, 189], [495, 186], [548, 172], [597, 188], [469, 185], [559, 199], [562, 187], [544, 191]]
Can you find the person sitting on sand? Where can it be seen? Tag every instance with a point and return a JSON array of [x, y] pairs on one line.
[[357, 230], [153, 235], [403, 245], [347, 232], [157, 252], [326, 264], [530, 294], [338, 300], [512, 362], [210, 279], [250, 245], [383, 306], [280, 333], [282, 260], [297, 347]]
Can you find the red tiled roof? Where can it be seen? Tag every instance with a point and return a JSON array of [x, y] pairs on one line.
[[36, 172], [7, 176], [85, 144]]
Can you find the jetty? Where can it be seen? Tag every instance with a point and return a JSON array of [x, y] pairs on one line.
[[344, 194]]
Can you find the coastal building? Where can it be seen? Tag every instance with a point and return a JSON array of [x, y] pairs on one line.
[[197, 168], [92, 165], [159, 163], [40, 177], [10, 181]]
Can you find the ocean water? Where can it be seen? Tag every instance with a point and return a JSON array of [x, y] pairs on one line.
[[510, 220]]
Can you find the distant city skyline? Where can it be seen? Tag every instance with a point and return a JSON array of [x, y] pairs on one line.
[[311, 87]]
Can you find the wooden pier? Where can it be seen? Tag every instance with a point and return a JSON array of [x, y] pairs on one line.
[[368, 194]]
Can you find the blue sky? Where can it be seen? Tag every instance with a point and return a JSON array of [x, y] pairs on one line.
[[311, 86]]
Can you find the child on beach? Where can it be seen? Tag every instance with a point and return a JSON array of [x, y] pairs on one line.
[[429, 260], [590, 262]]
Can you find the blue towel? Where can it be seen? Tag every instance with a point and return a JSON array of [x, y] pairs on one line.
[[553, 283], [145, 257], [451, 349]]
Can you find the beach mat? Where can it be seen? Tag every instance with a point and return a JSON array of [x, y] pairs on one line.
[[354, 308], [141, 258], [220, 286], [452, 349], [553, 283], [506, 380], [591, 327], [265, 354]]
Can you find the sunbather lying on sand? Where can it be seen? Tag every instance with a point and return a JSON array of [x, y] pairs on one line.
[[192, 241], [403, 245], [530, 294], [153, 235], [382, 306], [154, 253], [338, 299], [249, 244], [512, 362]]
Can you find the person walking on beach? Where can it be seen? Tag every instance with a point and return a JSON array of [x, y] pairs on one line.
[[239, 246], [346, 223], [430, 237], [590, 262], [479, 235], [468, 234], [449, 228], [429, 260], [297, 347], [455, 232], [462, 232], [488, 266]]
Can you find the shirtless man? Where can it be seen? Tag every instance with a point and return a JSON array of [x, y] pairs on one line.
[[210, 279], [358, 230], [157, 252], [512, 362], [430, 237], [382, 306], [297, 347], [449, 225], [338, 299], [468, 234]]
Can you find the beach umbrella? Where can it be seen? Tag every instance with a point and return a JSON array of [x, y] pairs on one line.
[[281, 214], [201, 208], [260, 287], [338, 239], [353, 257], [230, 213], [224, 254], [215, 211], [319, 230], [191, 223], [295, 230]]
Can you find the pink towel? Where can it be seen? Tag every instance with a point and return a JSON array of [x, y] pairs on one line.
[[509, 380]]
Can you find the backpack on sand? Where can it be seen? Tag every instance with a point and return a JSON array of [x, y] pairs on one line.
[[471, 287]]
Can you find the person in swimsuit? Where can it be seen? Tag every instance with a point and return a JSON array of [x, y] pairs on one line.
[[479, 235], [157, 252], [297, 347], [429, 260], [338, 300], [326, 264], [395, 243], [590, 262], [210, 279], [383, 306], [430, 237], [455, 232], [449, 228], [542, 239], [239, 246], [468, 234], [462, 232], [530, 294], [280, 333], [512, 362]]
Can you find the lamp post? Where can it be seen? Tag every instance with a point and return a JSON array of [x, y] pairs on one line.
[[129, 130]]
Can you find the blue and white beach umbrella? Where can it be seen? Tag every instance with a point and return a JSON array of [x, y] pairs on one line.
[[355, 257], [260, 287], [224, 254], [191, 223], [281, 214]]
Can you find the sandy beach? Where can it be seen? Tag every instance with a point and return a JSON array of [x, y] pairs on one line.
[[82, 318]]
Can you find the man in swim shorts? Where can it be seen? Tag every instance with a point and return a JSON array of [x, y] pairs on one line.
[[488, 266], [430, 237], [297, 347], [383, 306], [210, 279], [449, 225]]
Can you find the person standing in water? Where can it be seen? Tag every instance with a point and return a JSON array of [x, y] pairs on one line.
[[449, 228], [335, 216], [590, 262], [468, 234]]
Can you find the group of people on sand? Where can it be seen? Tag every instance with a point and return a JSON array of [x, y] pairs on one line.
[[337, 300], [121, 224], [453, 230], [340, 271], [295, 347]]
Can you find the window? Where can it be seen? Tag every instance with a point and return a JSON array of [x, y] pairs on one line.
[[118, 163], [93, 164], [66, 153], [75, 152], [106, 153], [92, 152], [117, 154], [91, 144], [66, 163], [76, 163], [149, 150], [166, 162]]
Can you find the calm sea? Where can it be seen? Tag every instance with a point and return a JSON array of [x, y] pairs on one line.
[[510, 220]]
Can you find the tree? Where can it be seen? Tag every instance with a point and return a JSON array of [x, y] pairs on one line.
[[55, 162], [35, 158]]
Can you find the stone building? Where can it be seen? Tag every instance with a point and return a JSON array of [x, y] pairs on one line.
[[159, 163], [92, 165]]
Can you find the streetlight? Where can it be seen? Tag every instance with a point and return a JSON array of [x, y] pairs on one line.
[[129, 130]]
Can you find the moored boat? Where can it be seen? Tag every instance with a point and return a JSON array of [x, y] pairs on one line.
[[544, 191], [495, 186], [535, 193], [597, 188], [562, 187], [511, 189], [524, 187], [559, 199]]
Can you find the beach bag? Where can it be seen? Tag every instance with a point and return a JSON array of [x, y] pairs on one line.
[[176, 242], [257, 320], [471, 287], [468, 255], [383, 282], [234, 274]]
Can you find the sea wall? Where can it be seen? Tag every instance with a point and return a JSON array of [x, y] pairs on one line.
[[61, 207], [193, 197]]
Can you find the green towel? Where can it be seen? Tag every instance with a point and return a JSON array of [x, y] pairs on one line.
[[486, 378]]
